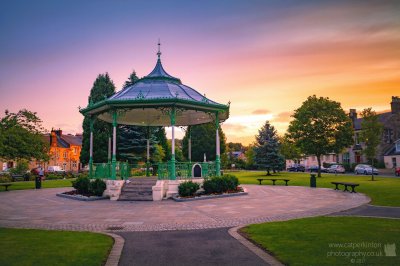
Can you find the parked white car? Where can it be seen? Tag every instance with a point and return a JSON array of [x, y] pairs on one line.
[[365, 169], [336, 168], [55, 169]]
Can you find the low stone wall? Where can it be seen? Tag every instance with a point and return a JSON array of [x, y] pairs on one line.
[[165, 189]]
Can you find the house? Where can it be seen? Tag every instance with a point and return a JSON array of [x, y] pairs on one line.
[[391, 133], [65, 150], [392, 156]]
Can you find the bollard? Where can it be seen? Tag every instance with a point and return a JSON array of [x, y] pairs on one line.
[[313, 180]]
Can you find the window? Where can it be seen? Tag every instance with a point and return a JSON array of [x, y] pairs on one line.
[[394, 162], [65, 155], [398, 146], [388, 135], [75, 150], [346, 158], [74, 164], [356, 138]]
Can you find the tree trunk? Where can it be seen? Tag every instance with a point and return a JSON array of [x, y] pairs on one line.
[[372, 169], [319, 165], [268, 173]]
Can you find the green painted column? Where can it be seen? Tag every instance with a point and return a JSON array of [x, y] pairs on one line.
[[217, 147], [172, 162], [91, 121], [148, 153], [114, 148], [190, 143]]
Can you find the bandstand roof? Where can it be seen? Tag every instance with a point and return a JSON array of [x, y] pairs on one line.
[[148, 101]]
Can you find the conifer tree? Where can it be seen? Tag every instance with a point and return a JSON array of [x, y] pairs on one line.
[[267, 154], [103, 87]]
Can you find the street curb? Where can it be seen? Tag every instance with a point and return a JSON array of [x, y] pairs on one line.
[[116, 251], [270, 260]]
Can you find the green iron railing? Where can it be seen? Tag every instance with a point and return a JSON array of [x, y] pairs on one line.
[[183, 170], [103, 170]]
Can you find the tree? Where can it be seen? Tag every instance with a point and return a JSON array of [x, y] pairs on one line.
[[371, 133], [21, 137], [289, 150], [132, 79], [203, 142], [103, 87], [250, 157], [267, 154], [320, 126]]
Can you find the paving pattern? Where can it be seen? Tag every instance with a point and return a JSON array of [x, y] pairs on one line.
[[43, 209]]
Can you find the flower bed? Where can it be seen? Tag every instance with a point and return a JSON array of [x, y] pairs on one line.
[[202, 196], [76, 196]]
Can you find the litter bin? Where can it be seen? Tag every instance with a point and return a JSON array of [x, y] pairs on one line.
[[38, 182], [313, 180]]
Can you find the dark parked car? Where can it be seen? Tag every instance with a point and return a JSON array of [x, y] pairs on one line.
[[397, 171], [314, 168], [296, 168]]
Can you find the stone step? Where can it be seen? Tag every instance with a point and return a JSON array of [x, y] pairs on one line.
[[137, 188], [138, 198]]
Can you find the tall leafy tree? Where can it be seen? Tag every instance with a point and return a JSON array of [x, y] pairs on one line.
[[320, 126], [203, 142], [289, 150], [103, 87], [371, 133], [267, 154], [21, 137]]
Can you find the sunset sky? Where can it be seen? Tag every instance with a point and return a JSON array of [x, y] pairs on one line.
[[265, 57]]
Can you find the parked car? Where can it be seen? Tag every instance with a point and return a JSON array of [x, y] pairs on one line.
[[314, 168], [336, 168], [365, 169], [55, 169], [397, 171], [296, 168]]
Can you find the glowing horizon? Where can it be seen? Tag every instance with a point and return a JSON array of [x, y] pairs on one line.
[[264, 57]]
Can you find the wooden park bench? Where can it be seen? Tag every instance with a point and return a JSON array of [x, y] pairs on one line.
[[273, 180], [6, 185], [346, 184]]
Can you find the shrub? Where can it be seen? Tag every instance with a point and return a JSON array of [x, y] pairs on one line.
[[52, 176], [97, 187], [81, 184], [21, 168], [188, 188], [220, 184], [5, 179]]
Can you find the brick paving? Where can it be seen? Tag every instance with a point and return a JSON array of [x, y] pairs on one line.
[[43, 209]]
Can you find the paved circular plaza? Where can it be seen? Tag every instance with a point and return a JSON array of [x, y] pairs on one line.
[[43, 209]]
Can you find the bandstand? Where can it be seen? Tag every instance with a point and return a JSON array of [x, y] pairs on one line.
[[157, 99]]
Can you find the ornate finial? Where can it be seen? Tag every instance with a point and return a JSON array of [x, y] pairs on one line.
[[159, 51]]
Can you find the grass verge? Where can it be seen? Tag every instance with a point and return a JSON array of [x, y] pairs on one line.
[[41, 247], [384, 191], [19, 185], [330, 240]]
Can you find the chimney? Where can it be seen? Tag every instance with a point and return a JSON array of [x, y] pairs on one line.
[[58, 132], [395, 104], [53, 138], [353, 115]]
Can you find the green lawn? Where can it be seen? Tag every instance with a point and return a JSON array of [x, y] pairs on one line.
[[45, 184], [329, 240], [39, 247], [384, 191]]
